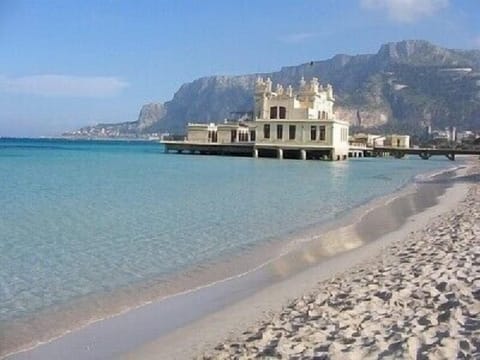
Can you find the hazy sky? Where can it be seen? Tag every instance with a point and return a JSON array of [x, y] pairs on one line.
[[65, 63]]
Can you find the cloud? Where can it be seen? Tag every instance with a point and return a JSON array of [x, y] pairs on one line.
[[297, 37], [63, 85], [406, 11]]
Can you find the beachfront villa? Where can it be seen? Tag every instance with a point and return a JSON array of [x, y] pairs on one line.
[[286, 123], [302, 121]]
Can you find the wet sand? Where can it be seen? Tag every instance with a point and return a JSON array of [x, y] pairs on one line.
[[190, 323]]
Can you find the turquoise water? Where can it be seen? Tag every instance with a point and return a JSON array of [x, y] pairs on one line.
[[78, 218]]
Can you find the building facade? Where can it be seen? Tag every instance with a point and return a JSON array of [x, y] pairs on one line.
[[397, 141], [286, 123], [299, 121], [227, 133], [367, 140]]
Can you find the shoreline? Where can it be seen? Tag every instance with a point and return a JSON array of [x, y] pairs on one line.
[[419, 297], [245, 317], [286, 272]]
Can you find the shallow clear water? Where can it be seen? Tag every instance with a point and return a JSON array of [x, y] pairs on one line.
[[78, 218]]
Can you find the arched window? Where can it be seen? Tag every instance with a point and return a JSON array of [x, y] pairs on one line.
[[283, 112], [273, 112]]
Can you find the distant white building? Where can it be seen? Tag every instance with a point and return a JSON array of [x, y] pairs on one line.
[[368, 140], [298, 124], [397, 141]]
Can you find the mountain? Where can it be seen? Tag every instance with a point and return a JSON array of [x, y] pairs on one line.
[[403, 87]]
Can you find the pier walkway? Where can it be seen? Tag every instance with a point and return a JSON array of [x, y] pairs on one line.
[[304, 151], [424, 153], [250, 149]]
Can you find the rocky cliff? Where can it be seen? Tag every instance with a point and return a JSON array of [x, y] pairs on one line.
[[149, 115], [404, 86]]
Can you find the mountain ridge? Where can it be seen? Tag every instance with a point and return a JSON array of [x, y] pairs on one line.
[[405, 86]]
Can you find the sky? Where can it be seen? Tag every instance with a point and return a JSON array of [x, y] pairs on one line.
[[65, 64]]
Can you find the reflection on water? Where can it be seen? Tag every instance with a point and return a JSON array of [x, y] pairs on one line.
[[373, 225]]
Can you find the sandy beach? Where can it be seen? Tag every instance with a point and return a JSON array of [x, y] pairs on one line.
[[413, 293], [419, 299]]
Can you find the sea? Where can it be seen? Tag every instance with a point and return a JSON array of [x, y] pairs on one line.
[[85, 218]]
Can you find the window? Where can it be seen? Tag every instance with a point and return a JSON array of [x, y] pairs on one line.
[[313, 133], [321, 135], [266, 131], [212, 136], [279, 131], [277, 112], [233, 136], [323, 115], [242, 136], [291, 132], [252, 135], [273, 112]]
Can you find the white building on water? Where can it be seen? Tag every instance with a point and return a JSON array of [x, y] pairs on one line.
[[286, 123]]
